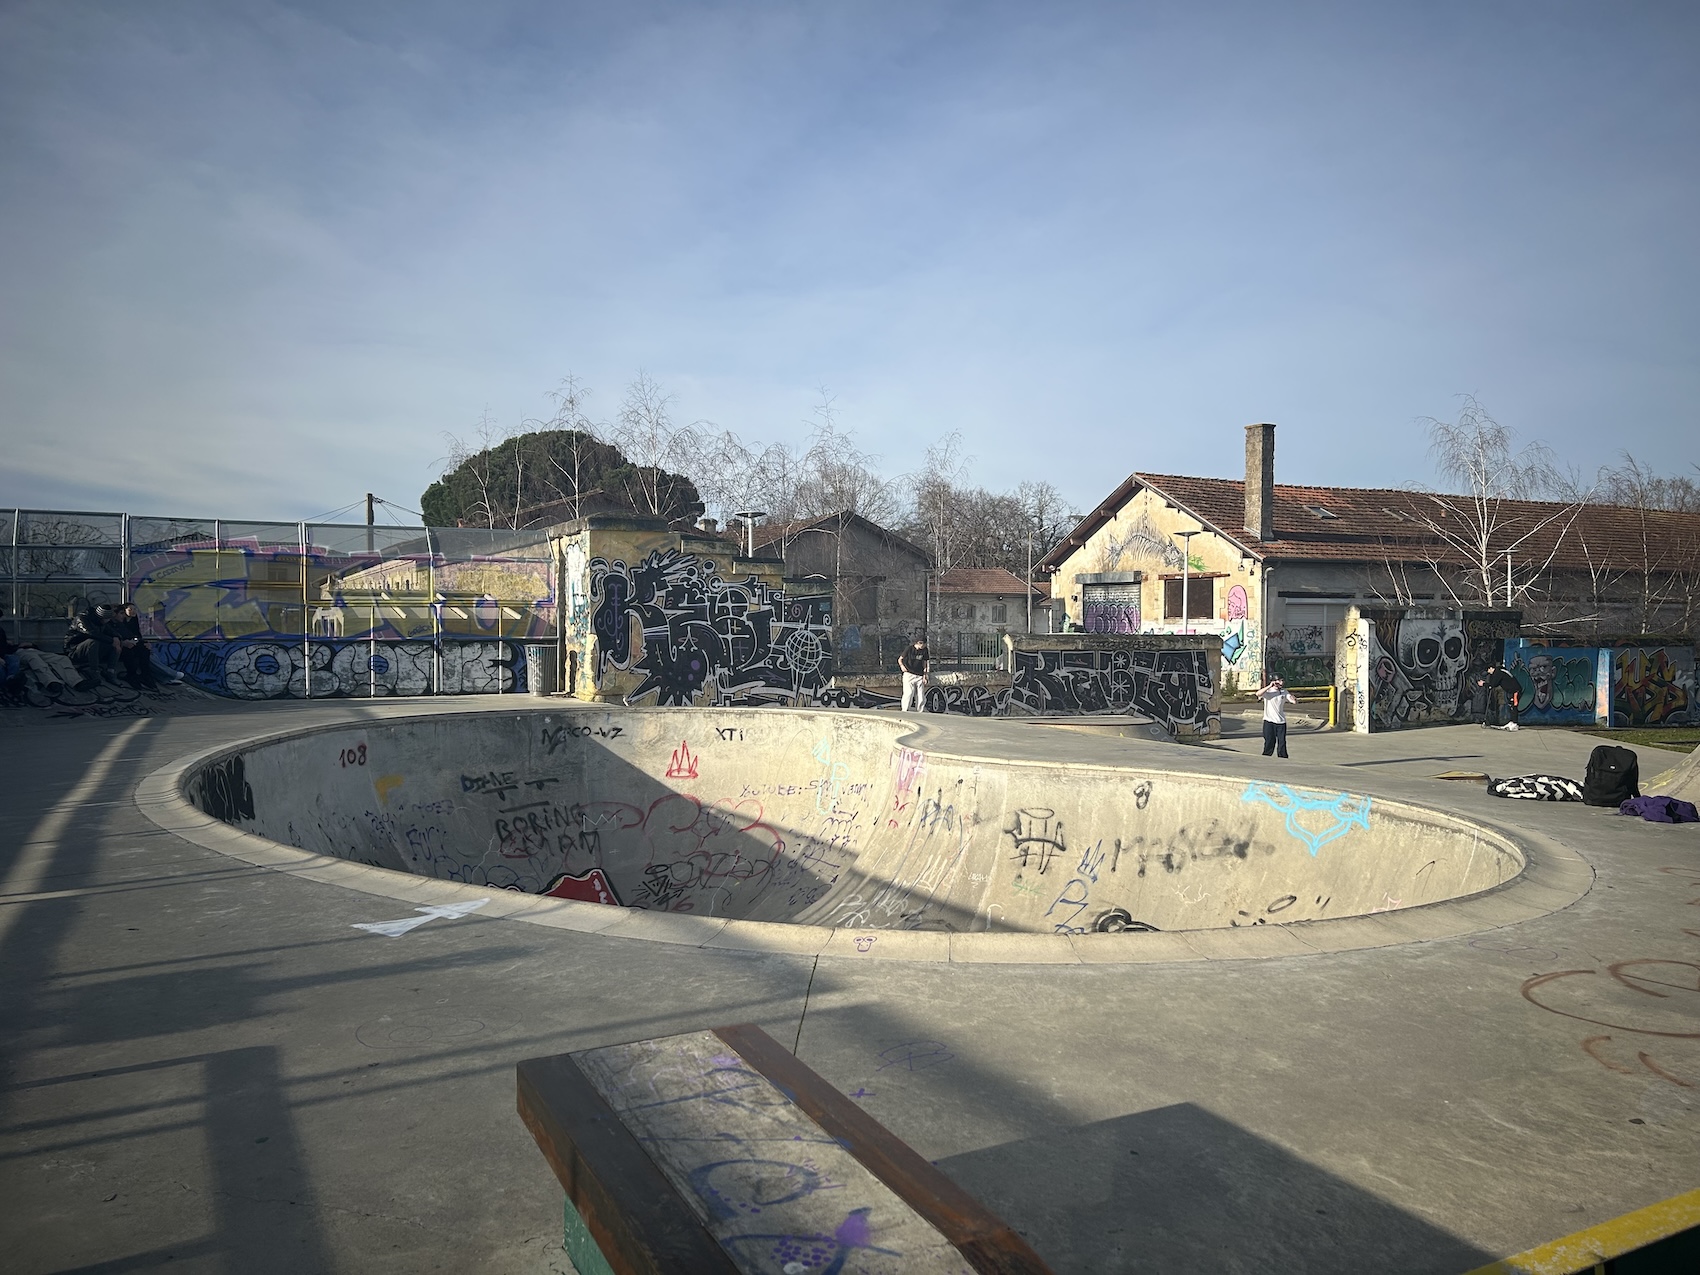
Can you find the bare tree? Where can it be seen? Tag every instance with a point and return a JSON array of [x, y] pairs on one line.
[[837, 477], [494, 465], [1663, 553], [655, 444], [831, 476], [577, 456], [1491, 543]]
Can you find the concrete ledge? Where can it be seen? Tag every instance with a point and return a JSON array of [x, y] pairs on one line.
[[1013, 949]]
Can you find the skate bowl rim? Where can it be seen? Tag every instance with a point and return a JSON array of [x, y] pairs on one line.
[[1553, 876]]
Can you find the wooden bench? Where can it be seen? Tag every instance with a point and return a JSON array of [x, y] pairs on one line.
[[717, 1151]]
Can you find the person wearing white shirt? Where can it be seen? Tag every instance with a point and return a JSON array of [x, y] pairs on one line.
[[1275, 697]]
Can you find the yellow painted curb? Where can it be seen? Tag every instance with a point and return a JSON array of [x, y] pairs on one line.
[[1586, 1249]]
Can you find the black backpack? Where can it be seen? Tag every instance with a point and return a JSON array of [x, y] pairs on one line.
[[1614, 776]]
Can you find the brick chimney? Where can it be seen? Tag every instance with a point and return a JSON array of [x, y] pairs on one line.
[[1260, 481], [710, 525]]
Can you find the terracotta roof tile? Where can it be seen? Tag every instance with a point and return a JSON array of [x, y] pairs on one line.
[[992, 580]]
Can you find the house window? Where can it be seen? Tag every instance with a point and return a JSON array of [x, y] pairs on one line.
[[1000, 613], [1200, 599]]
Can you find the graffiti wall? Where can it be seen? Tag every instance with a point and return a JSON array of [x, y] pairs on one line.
[[261, 668], [1417, 671], [1175, 687], [219, 581], [1560, 684], [1653, 686], [292, 610], [668, 629], [1299, 655], [1420, 668]]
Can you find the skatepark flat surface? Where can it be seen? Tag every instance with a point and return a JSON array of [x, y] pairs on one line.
[[204, 1064]]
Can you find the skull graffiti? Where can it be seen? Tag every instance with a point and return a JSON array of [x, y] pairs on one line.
[[1432, 654]]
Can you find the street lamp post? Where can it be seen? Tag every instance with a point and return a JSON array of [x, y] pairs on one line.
[[749, 516], [1186, 579]]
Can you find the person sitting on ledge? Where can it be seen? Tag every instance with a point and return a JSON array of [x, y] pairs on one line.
[[11, 666], [132, 650], [93, 646]]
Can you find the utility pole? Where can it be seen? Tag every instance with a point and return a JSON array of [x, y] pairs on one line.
[[1030, 579], [749, 516]]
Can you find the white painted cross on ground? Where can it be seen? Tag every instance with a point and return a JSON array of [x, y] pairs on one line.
[[448, 911]]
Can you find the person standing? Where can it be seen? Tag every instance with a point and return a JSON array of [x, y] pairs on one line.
[[913, 663], [1275, 697]]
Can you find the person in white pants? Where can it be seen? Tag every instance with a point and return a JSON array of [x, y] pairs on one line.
[[913, 663]]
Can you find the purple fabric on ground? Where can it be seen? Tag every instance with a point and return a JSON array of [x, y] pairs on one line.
[[1660, 809]]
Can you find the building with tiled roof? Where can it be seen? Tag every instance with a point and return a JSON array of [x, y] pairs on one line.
[[1273, 567], [985, 600], [877, 578]]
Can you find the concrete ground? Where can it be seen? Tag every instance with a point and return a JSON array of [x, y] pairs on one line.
[[203, 1065]]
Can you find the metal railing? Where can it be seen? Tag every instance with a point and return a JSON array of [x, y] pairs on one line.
[[276, 608], [1313, 694]]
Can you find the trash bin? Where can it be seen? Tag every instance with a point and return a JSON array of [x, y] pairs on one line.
[[540, 672]]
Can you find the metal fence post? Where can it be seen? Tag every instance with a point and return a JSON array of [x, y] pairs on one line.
[[436, 613], [306, 611]]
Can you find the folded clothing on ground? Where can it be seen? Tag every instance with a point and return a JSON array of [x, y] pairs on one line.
[[1661, 809], [1536, 788]]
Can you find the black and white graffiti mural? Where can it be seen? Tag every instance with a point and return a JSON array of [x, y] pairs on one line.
[[698, 639], [1174, 687], [265, 668]]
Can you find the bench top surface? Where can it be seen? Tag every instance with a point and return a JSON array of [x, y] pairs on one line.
[[777, 1192]]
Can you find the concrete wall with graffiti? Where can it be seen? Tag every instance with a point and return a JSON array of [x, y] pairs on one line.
[[260, 668], [1175, 680], [1399, 668], [827, 819], [1653, 686], [1114, 583], [1416, 668], [1605, 686], [673, 618], [1561, 685]]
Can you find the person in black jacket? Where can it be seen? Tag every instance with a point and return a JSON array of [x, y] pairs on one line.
[[93, 646], [132, 650], [11, 670], [1499, 691]]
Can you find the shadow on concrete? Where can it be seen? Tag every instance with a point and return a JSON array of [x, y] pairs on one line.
[[1180, 1189], [1175, 1188]]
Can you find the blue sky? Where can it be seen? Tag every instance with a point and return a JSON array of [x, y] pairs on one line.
[[259, 257]]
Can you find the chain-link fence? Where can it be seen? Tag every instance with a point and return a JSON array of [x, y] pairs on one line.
[[262, 610]]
